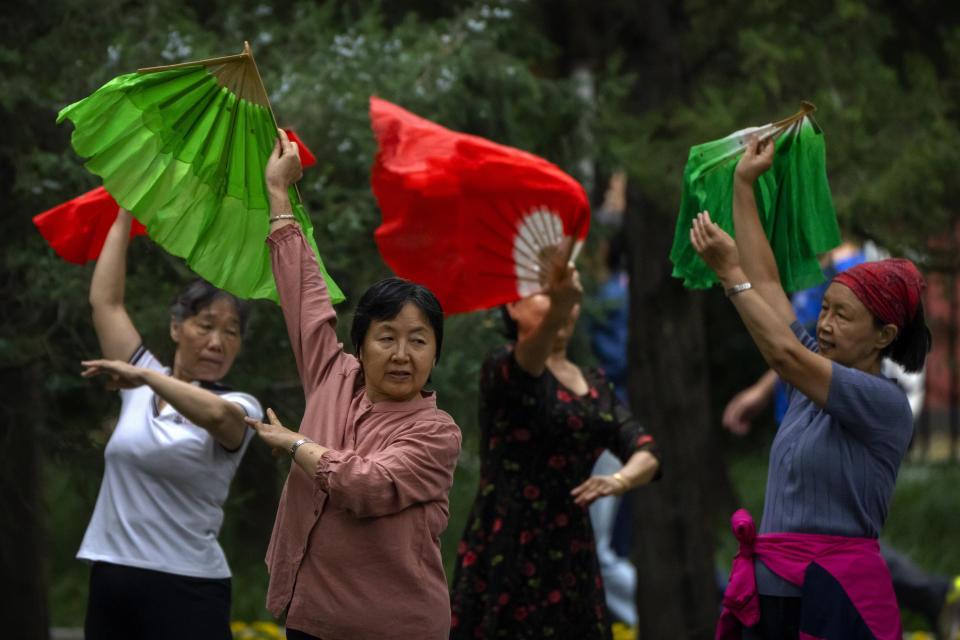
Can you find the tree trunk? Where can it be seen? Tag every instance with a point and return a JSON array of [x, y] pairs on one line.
[[22, 532], [669, 386]]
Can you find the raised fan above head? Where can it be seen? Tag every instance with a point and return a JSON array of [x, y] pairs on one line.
[[184, 147], [793, 199], [475, 221]]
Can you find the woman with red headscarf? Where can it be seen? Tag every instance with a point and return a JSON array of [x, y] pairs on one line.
[[815, 570]]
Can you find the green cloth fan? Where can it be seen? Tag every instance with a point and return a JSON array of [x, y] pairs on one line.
[[793, 199], [183, 147]]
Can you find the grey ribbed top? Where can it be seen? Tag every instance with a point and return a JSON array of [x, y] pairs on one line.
[[833, 469]]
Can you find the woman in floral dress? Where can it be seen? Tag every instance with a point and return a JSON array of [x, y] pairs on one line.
[[526, 566]]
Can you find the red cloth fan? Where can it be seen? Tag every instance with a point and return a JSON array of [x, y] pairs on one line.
[[474, 221], [77, 229]]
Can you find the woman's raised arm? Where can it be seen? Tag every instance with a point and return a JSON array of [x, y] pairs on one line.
[[756, 256], [565, 292], [303, 293], [115, 331]]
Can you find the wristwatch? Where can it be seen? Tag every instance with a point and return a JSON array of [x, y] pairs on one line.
[[296, 445]]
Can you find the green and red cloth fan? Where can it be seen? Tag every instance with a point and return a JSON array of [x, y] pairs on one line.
[[474, 221], [183, 148], [793, 199], [77, 229]]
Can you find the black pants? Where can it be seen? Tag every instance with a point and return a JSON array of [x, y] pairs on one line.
[[916, 590], [779, 619], [126, 602]]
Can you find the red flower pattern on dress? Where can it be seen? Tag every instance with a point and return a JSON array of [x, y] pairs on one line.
[[561, 519], [525, 537], [594, 393], [530, 492], [575, 423], [555, 596], [529, 569], [522, 435], [557, 462], [503, 599], [569, 579], [520, 613], [469, 558], [480, 586], [454, 621], [497, 525], [563, 396], [599, 611]]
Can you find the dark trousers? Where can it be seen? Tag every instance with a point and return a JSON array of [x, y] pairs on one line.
[[916, 590], [127, 602], [779, 619]]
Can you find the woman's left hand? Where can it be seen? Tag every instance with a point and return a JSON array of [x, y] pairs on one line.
[[597, 487], [714, 245], [277, 436], [123, 375]]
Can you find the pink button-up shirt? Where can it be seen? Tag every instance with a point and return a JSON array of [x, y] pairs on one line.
[[355, 550]]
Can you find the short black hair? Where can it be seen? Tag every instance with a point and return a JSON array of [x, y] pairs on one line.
[[384, 301], [912, 344], [199, 294]]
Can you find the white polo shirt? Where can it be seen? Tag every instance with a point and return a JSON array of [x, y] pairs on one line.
[[165, 479]]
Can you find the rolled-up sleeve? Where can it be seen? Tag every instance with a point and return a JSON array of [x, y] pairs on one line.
[[416, 467]]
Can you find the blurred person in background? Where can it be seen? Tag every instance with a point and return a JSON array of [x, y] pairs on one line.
[[527, 565]]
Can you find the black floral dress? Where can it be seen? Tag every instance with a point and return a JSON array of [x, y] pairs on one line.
[[526, 566]]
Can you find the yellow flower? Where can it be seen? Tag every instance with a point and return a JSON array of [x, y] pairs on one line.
[[623, 632]]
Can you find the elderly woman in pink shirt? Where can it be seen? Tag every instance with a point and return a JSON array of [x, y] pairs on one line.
[[355, 550]]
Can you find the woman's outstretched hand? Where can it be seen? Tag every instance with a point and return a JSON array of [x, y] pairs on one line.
[[563, 280], [714, 245], [278, 437], [596, 487], [122, 375], [756, 159]]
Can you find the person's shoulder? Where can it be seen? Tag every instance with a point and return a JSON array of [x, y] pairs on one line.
[[250, 404], [434, 422], [878, 389], [143, 357]]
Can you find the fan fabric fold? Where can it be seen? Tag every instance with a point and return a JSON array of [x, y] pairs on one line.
[[474, 221], [793, 199], [77, 229], [186, 156]]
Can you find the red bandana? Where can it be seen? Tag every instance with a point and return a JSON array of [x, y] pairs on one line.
[[890, 288]]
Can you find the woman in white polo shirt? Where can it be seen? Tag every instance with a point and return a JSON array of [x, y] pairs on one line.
[[158, 570]]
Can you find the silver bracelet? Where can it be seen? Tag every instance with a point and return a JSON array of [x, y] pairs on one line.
[[296, 445], [737, 288], [285, 216]]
